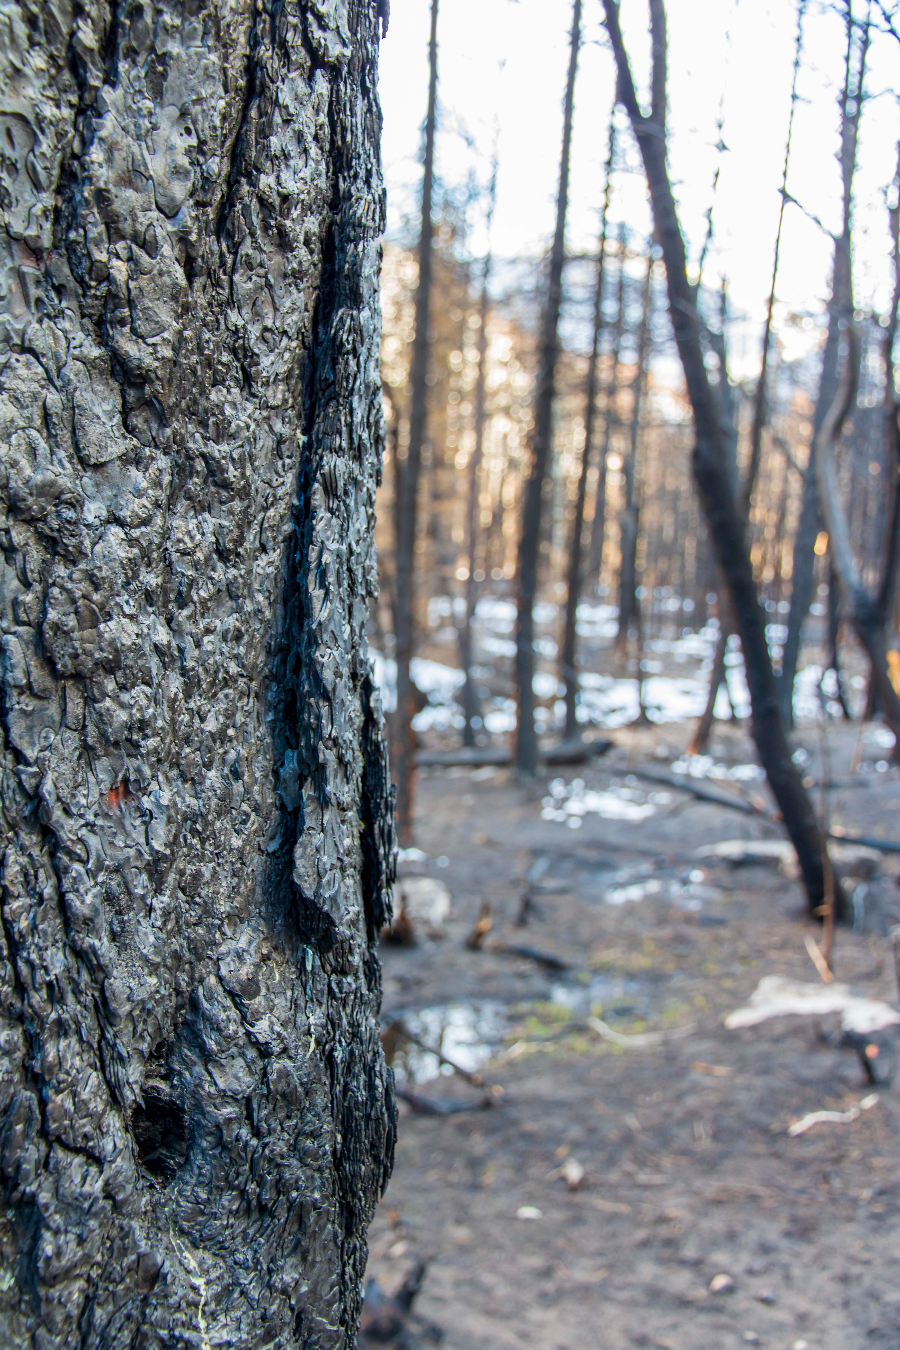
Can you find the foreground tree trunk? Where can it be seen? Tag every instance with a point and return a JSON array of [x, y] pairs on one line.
[[195, 1117], [725, 519], [542, 441], [403, 743]]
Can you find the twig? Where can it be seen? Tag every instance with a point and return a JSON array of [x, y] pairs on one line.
[[640, 1039], [818, 959], [437, 1106], [833, 1117], [474, 1079], [751, 809]]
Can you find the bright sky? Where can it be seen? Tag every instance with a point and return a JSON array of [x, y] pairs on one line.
[[502, 65]]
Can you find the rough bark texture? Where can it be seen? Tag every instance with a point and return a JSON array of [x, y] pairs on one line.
[[195, 1116]]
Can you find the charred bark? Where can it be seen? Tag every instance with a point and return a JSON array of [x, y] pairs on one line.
[[195, 1116]]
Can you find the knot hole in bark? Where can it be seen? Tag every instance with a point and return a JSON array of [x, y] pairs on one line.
[[159, 1126]]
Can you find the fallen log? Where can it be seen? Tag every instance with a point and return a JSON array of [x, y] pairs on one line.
[[704, 793], [477, 756], [547, 960], [442, 1106]]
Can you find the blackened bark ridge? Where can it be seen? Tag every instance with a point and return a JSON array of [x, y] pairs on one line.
[[711, 471], [197, 842]]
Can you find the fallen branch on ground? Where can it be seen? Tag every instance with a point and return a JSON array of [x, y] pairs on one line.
[[717, 797], [833, 1117], [442, 1106], [399, 1029], [639, 1039], [565, 752]]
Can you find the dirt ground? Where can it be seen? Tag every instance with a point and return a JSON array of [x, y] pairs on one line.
[[699, 1222]]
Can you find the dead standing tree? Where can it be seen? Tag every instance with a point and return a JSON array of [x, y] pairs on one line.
[[760, 402], [470, 702], [402, 734], [725, 520], [629, 520], [840, 310], [196, 827], [861, 608], [575, 577], [542, 440], [610, 420]]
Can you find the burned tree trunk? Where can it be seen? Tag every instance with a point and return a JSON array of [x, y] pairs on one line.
[[402, 734], [610, 420], [703, 730], [575, 576], [629, 608], [726, 522], [840, 310], [470, 700], [542, 440], [861, 608], [195, 1116]]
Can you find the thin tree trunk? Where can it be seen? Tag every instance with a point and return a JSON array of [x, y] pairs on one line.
[[402, 734], [542, 441], [196, 823], [891, 547], [725, 521], [840, 309], [630, 518], [575, 577], [834, 656], [470, 701], [700, 739], [861, 608], [610, 421]]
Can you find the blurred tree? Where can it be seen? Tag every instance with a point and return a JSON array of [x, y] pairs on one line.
[[542, 439], [575, 574], [840, 312], [402, 736], [712, 475]]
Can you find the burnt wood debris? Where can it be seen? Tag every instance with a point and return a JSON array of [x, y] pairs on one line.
[[197, 843]]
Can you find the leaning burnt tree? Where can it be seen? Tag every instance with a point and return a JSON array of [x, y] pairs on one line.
[[725, 518], [195, 1116]]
